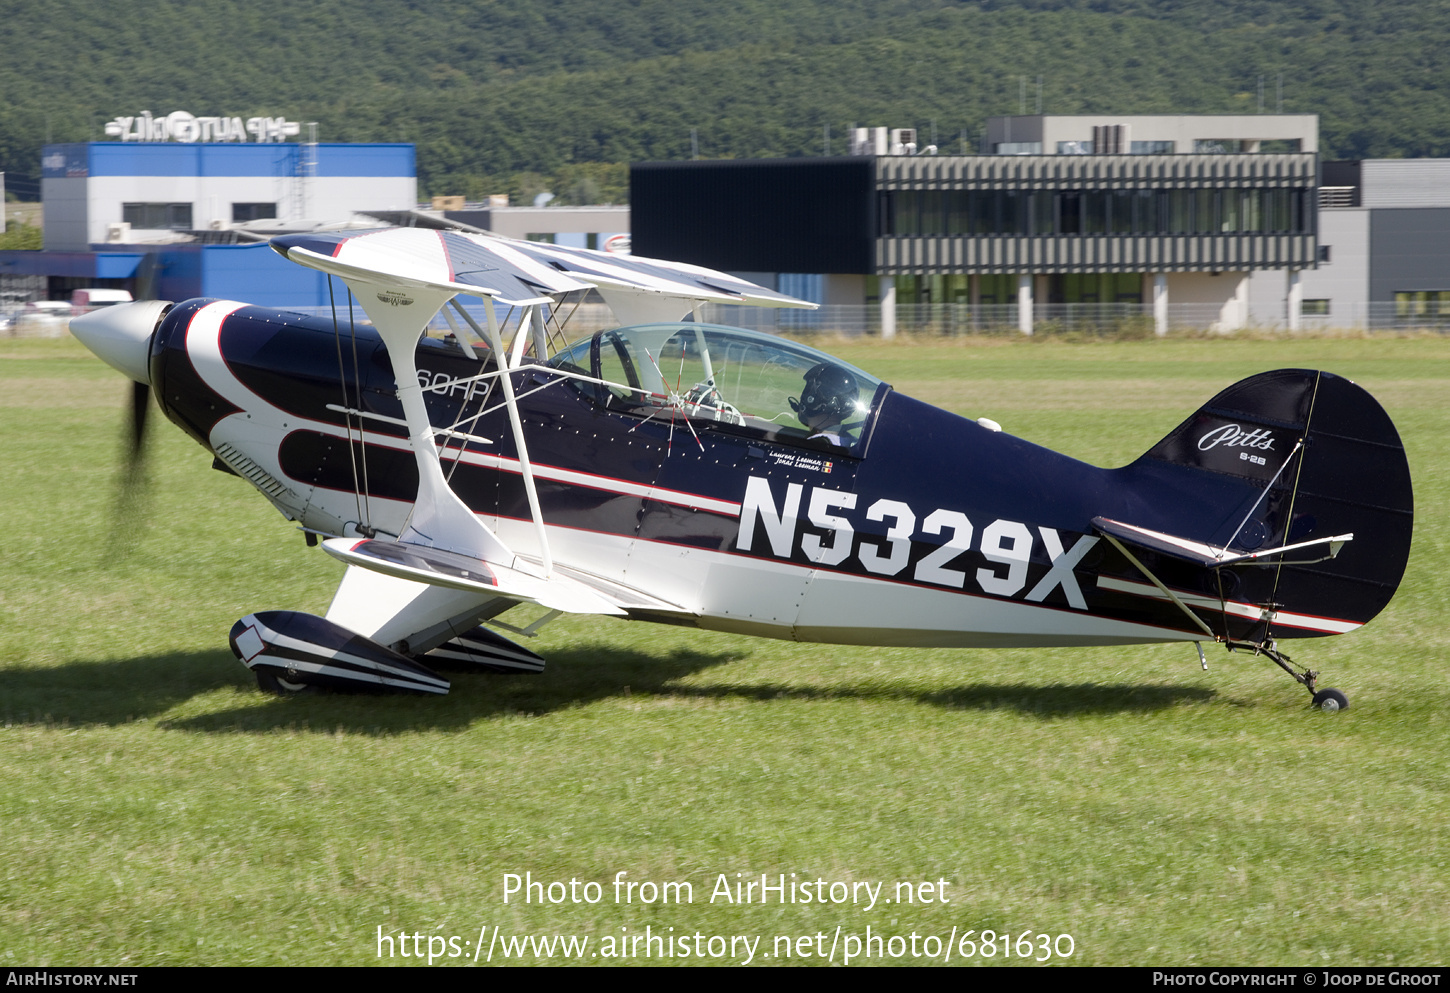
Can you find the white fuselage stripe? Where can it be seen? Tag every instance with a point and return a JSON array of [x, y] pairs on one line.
[[608, 484], [1307, 622]]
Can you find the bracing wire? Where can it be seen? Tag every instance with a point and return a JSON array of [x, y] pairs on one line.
[[362, 436], [346, 403]]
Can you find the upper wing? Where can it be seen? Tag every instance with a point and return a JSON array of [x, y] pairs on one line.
[[520, 272]]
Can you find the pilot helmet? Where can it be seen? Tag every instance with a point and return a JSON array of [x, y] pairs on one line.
[[829, 390]]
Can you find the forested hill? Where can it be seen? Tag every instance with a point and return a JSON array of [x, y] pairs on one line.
[[490, 89]]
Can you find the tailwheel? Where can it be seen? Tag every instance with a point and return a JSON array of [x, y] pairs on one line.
[[1328, 700]]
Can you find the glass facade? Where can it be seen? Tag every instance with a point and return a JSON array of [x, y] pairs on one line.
[[936, 213], [1095, 287], [996, 288]]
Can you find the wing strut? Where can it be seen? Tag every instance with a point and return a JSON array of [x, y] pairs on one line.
[[495, 341], [439, 519]]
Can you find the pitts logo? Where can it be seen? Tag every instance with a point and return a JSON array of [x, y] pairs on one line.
[[1005, 545], [395, 298], [1233, 436]]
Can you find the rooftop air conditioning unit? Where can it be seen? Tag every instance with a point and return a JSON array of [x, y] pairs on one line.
[[118, 233], [903, 141], [868, 141], [1111, 139]]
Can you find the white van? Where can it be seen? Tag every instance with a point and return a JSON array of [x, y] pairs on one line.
[[94, 298]]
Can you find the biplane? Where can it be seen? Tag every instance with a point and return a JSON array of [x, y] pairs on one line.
[[682, 472]]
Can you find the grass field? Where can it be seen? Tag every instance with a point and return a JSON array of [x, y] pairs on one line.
[[155, 809]]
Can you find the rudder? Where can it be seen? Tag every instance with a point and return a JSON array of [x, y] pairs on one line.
[[1332, 463]]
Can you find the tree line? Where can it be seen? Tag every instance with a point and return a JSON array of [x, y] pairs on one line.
[[521, 96]]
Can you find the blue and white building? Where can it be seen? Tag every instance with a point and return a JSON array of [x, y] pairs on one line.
[[110, 205], [101, 193]]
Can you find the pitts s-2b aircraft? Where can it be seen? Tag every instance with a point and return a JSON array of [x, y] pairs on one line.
[[687, 473]]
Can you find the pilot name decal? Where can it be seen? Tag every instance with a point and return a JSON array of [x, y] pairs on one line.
[[1002, 552], [797, 460]]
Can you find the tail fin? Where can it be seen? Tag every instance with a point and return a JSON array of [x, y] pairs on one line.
[[1288, 457]]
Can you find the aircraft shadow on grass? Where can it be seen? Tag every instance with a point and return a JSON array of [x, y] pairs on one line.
[[1079, 699], [119, 692], [109, 692]]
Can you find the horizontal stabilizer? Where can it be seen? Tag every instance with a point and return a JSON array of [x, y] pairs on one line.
[[438, 567], [1213, 556]]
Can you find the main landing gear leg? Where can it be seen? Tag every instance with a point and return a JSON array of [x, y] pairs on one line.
[[1328, 699]]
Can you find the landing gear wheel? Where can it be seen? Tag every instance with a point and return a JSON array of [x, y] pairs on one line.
[[1331, 700], [269, 682]]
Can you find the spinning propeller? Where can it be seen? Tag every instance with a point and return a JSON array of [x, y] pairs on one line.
[[121, 336]]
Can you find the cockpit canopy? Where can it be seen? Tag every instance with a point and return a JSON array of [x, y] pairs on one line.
[[723, 378]]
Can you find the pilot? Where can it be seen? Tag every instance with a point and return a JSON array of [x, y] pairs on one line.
[[828, 399]]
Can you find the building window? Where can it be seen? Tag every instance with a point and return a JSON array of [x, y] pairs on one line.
[[545, 238], [809, 286], [1251, 211], [1217, 146], [1018, 148], [1314, 308], [886, 213], [996, 289], [1429, 304], [1324, 253], [1069, 213], [1095, 287], [1074, 148], [1151, 147], [1279, 210], [243, 212], [908, 212], [157, 216], [983, 211]]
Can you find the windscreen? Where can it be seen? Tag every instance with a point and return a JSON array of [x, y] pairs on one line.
[[729, 379]]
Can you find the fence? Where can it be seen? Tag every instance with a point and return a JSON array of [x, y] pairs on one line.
[[1049, 318], [958, 319], [963, 319]]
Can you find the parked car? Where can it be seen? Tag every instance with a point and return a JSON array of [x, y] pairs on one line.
[[43, 319]]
